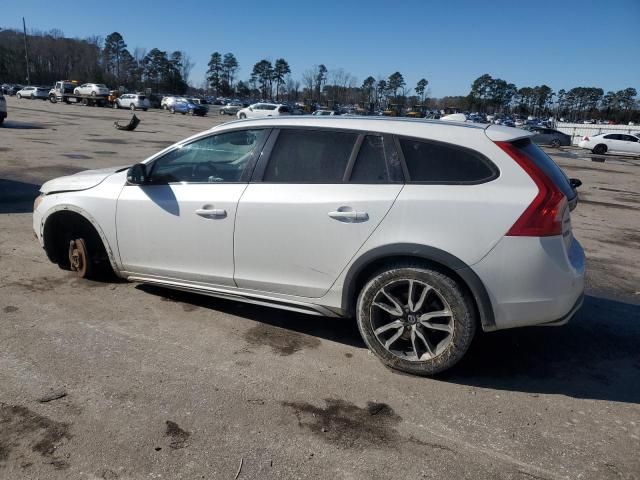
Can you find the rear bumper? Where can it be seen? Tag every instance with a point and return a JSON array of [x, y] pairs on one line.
[[533, 281]]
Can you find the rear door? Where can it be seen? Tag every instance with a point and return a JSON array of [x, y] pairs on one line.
[[630, 143], [313, 202]]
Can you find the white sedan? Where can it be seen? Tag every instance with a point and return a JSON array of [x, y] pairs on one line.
[[611, 142], [93, 89], [262, 110]]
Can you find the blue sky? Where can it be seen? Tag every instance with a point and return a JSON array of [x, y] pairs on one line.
[[562, 43]]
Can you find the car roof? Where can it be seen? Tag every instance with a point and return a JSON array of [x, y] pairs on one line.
[[398, 126]]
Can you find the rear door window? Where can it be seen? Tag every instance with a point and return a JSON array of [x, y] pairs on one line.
[[436, 162], [371, 165], [546, 164], [309, 156]]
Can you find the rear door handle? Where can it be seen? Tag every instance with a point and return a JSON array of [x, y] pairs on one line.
[[345, 214], [211, 212]]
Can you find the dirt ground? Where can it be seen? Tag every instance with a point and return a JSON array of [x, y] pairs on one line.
[[119, 381]]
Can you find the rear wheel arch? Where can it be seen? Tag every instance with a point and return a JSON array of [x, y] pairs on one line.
[[390, 256], [66, 222]]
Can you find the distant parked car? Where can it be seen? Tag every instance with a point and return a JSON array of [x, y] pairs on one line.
[[231, 108], [185, 106], [9, 89], [3, 108], [261, 110], [33, 92], [322, 113], [549, 136], [168, 101], [93, 89], [133, 101], [611, 142]]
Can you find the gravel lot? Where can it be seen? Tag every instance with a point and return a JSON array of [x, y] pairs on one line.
[[161, 384]]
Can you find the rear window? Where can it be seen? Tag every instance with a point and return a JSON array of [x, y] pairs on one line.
[[546, 164], [141, 97], [436, 162], [284, 109]]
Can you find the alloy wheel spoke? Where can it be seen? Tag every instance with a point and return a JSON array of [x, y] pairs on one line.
[[394, 301], [413, 343], [444, 327], [425, 317], [388, 326], [393, 338], [410, 297], [424, 341], [423, 295], [390, 310]]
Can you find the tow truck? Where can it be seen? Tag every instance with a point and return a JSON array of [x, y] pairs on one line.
[[63, 92]]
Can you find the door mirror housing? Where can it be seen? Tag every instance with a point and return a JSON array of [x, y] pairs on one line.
[[137, 174], [575, 182]]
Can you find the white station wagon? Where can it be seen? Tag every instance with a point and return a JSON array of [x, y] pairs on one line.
[[424, 231]]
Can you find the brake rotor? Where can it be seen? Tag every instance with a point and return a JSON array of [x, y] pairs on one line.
[[79, 256]]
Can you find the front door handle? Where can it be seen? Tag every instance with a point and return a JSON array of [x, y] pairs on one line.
[[347, 214], [211, 212]]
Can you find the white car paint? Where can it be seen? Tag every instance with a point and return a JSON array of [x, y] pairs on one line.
[[94, 89], [282, 245], [263, 110], [133, 101], [614, 142], [33, 92]]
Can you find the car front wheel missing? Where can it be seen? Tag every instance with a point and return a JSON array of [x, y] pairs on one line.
[[416, 320], [80, 260]]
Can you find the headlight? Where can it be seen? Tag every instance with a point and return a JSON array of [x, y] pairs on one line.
[[38, 201]]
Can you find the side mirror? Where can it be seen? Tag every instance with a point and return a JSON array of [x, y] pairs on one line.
[[137, 174], [575, 183], [251, 108]]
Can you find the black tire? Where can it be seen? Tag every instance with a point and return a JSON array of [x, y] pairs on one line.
[[242, 116], [448, 350], [555, 143], [18, 96], [600, 149], [145, 109], [132, 107], [53, 99]]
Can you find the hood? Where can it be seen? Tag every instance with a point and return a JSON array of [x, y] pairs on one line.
[[79, 181]]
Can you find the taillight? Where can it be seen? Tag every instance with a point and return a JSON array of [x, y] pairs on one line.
[[586, 139], [543, 217]]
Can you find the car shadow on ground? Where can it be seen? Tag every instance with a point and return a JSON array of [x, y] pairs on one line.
[[21, 125], [596, 356], [17, 197]]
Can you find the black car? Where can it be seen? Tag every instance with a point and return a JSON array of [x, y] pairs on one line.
[[549, 136]]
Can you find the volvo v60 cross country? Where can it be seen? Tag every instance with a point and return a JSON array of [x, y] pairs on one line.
[[424, 231]]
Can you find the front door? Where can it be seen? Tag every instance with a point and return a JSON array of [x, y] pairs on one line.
[[322, 194], [180, 224]]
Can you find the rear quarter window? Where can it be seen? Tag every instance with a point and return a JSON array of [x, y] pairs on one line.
[[429, 161]]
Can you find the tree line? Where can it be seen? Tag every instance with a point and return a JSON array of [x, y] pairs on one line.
[[53, 57], [494, 95]]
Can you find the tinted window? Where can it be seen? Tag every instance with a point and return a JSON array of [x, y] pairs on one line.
[[218, 158], [268, 107], [546, 164], [311, 156], [284, 109], [629, 138], [444, 163], [370, 166], [612, 136]]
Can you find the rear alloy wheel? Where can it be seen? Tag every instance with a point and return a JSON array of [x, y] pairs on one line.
[[18, 96], [132, 107], [555, 143], [79, 258], [172, 110], [191, 112], [600, 149], [242, 116], [416, 320], [93, 94]]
